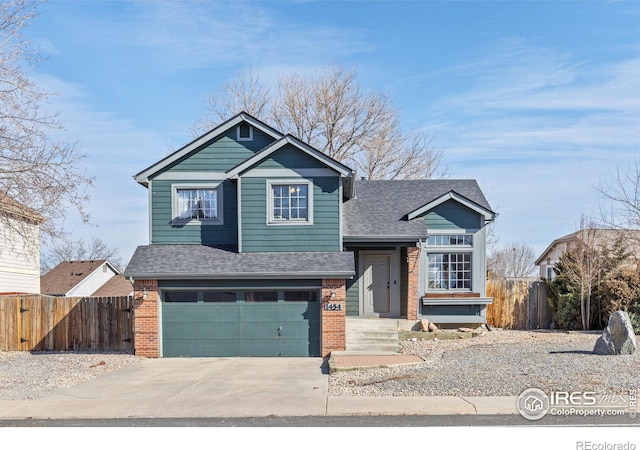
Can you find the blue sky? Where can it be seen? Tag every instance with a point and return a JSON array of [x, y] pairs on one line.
[[538, 101]]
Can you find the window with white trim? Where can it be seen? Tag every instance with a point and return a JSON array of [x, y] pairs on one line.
[[197, 204], [290, 202], [449, 271], [450, 239]]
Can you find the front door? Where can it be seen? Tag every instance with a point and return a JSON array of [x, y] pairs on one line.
[[377, 292]]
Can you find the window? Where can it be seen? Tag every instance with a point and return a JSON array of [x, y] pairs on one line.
[[449, 271], [181, 296], [450, 239], [290, 203], [197, 204], [245, 132], [300, 296], [218, 297], [260, 296]]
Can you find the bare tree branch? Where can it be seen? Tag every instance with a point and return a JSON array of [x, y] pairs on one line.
[[330, 111], [80, 251], [45, 176]]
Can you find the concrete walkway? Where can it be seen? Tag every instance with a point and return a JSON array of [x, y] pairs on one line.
[[230, 387]]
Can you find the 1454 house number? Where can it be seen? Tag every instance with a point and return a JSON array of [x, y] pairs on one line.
[[333, 306]]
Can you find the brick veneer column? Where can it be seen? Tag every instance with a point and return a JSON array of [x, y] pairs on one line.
[[146, 318], [413, 294], [333, 322]]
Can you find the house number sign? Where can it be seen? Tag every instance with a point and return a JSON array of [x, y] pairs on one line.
[[333, 306]]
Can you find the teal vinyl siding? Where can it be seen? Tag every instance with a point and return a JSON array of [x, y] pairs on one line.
[[221, 154], [290, 157], [450, 314], [353, 291], [323, 235], [164, 232], [452, 215]]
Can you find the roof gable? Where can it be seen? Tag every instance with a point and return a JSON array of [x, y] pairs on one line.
[[144, 176], [68, 275], [381, 208], [452, 195], [296, 144]]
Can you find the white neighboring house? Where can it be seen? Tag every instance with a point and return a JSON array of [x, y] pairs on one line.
[[19, 248], [85, 279]]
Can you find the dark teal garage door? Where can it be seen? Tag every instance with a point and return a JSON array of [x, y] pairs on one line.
[[241, 323]]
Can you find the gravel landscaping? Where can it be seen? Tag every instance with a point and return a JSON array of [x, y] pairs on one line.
[[28, 376], [496, 363]]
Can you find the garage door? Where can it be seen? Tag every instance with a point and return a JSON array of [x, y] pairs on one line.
[[241, 323]]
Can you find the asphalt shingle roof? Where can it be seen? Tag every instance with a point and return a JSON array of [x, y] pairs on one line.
[[67, 275], [380, 207], [200, 261]]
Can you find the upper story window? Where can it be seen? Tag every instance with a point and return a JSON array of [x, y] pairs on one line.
[[450, 239], [290, 203], [197, 204], [245, 132]]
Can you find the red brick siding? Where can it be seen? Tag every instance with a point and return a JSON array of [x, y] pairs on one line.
[[146, 318], [413, 263], [333, 322]]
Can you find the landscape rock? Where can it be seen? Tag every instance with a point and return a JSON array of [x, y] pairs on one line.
[[618, 338], [424, 325], [432, 327]]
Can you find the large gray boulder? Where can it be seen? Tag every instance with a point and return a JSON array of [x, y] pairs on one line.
[[618, 338]]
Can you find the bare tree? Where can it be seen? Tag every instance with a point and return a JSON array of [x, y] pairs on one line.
[[515, 260], [583, 264], [80, 251], [331, 112], [243, 93], [622, 193], [43, 175]]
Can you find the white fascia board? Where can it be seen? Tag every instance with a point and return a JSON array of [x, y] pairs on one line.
[[338, 167], [452, 195], [143, 177]]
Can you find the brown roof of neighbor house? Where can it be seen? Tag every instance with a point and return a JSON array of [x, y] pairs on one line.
[[10, 207], [117, 286], [67, 275]]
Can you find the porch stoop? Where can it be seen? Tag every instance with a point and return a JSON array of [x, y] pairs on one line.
[[372, 335]]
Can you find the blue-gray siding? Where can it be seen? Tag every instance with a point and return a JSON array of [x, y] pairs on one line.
[[452, 215], [323, 235], [222, 154], [163, 231]]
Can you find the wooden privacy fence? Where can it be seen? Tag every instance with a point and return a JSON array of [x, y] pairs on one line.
[[39, 322], [518, 304]]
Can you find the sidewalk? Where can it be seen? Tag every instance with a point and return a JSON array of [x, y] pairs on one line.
[[233, 387]]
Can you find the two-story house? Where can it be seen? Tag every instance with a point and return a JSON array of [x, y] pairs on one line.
[[261, 245], [19, 248]]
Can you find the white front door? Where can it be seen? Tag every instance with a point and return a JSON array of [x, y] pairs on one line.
[[377, 289]]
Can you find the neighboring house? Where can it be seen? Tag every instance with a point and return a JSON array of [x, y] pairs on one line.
[[97, 278], [548, 260], [19, 248], [260, 245]]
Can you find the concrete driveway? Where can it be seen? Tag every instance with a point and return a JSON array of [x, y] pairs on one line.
[[190, 387]]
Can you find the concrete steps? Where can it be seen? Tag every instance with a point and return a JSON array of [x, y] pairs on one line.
[[372, 335]]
